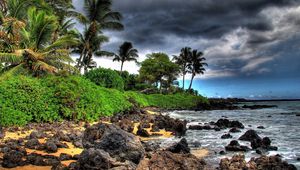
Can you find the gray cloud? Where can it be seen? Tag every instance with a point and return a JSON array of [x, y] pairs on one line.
[[241, 37]]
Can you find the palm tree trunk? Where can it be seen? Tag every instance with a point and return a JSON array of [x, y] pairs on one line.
[[183, 79], [79, 64], [122, 66], [193, 75]]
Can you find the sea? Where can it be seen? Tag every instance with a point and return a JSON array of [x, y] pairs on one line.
[[281, 125]]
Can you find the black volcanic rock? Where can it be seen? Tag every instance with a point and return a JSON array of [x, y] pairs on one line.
[[250, 135], [226, 136], [235, 146], [180, 147]]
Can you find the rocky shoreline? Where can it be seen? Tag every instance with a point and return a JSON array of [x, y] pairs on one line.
[[125, 141]]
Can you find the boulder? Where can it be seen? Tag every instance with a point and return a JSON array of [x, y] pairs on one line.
[[235, 146], [33, 144], [180, 147], [142, 132], [169, 161], [235, 163], [262, 145], [64, 157], [174, 125], [250, 135], [117, 142], [42, 160], [51, 147], [13, 159], [226, 136], [37, 135], [271, 162], [234, 130], [225, 123], [260, 127], [126, 125], [98, 159], [62, 136]]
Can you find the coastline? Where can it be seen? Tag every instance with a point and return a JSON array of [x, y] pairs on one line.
[[145, 121]]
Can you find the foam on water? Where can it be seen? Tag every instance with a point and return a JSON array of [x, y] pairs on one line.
[[281, 124]]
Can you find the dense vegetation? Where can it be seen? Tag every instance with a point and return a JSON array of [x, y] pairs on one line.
[[40, 82], [53, 98]]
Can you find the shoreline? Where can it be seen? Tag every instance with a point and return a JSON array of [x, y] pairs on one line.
[[149, 112]]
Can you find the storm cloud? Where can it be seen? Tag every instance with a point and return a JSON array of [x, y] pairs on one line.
[[245, 38]]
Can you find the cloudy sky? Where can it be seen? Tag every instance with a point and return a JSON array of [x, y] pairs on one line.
[[252, 46]]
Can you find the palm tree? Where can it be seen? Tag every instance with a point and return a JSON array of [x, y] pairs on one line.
[[97, 16], [196, 65], [36, 52], [183, 61], [126, 53]]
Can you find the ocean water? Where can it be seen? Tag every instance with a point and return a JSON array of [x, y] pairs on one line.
[[281, 124]]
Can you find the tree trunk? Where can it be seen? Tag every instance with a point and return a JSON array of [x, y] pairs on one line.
[[160, 86], [122, 66], [79, 64], [183, 80], [193, 75]]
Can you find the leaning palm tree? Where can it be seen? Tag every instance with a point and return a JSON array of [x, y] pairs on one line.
[[183, 61], [97, 16], [196, 65], [36, 53], [126, 53]]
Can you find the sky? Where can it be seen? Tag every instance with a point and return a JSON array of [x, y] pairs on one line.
[[252, 47]]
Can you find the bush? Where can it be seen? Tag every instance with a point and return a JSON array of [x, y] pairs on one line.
[[171, 101], [25, 98], [106, 78]]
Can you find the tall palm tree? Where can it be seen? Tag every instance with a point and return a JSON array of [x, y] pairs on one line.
[[183, 61], [126, 53], [36, 53], [97, 16], [196, 65]]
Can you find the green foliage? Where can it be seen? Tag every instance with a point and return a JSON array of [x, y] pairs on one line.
[[24, 99], [106, 78], [27, 99], [158, 68], [174, 101]]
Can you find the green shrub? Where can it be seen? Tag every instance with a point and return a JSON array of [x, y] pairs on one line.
[[80, 99], [26, 97], [106, 78], [171, 101]]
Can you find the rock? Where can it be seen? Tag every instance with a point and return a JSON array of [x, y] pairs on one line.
[[225, 123], [117, 142], [78, 144], [258, 106], [271, 162], [262, 145], [260, 127], [126, 125], [226, 136], [37, 135], [154, 128], [180, 147], [59, 167], [222, 153], [64, 157], [33, 144], [298, 114], [142, 132], [98, 159], [235, 146], [169, 161], [42, 160], [234, 130], [174, 125], [235, 163], [13, 159], [150, 146], [62, 136], [249, 136], [50, 147]]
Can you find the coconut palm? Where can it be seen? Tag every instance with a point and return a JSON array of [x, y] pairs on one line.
[[97, 16], [94, 45], [126, 53], [183, 61], [196, 65], [36, 52]]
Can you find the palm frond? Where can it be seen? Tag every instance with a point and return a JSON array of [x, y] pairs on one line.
[[10, 58]]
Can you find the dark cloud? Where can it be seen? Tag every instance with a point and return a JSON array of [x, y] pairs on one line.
[[245, 38]]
